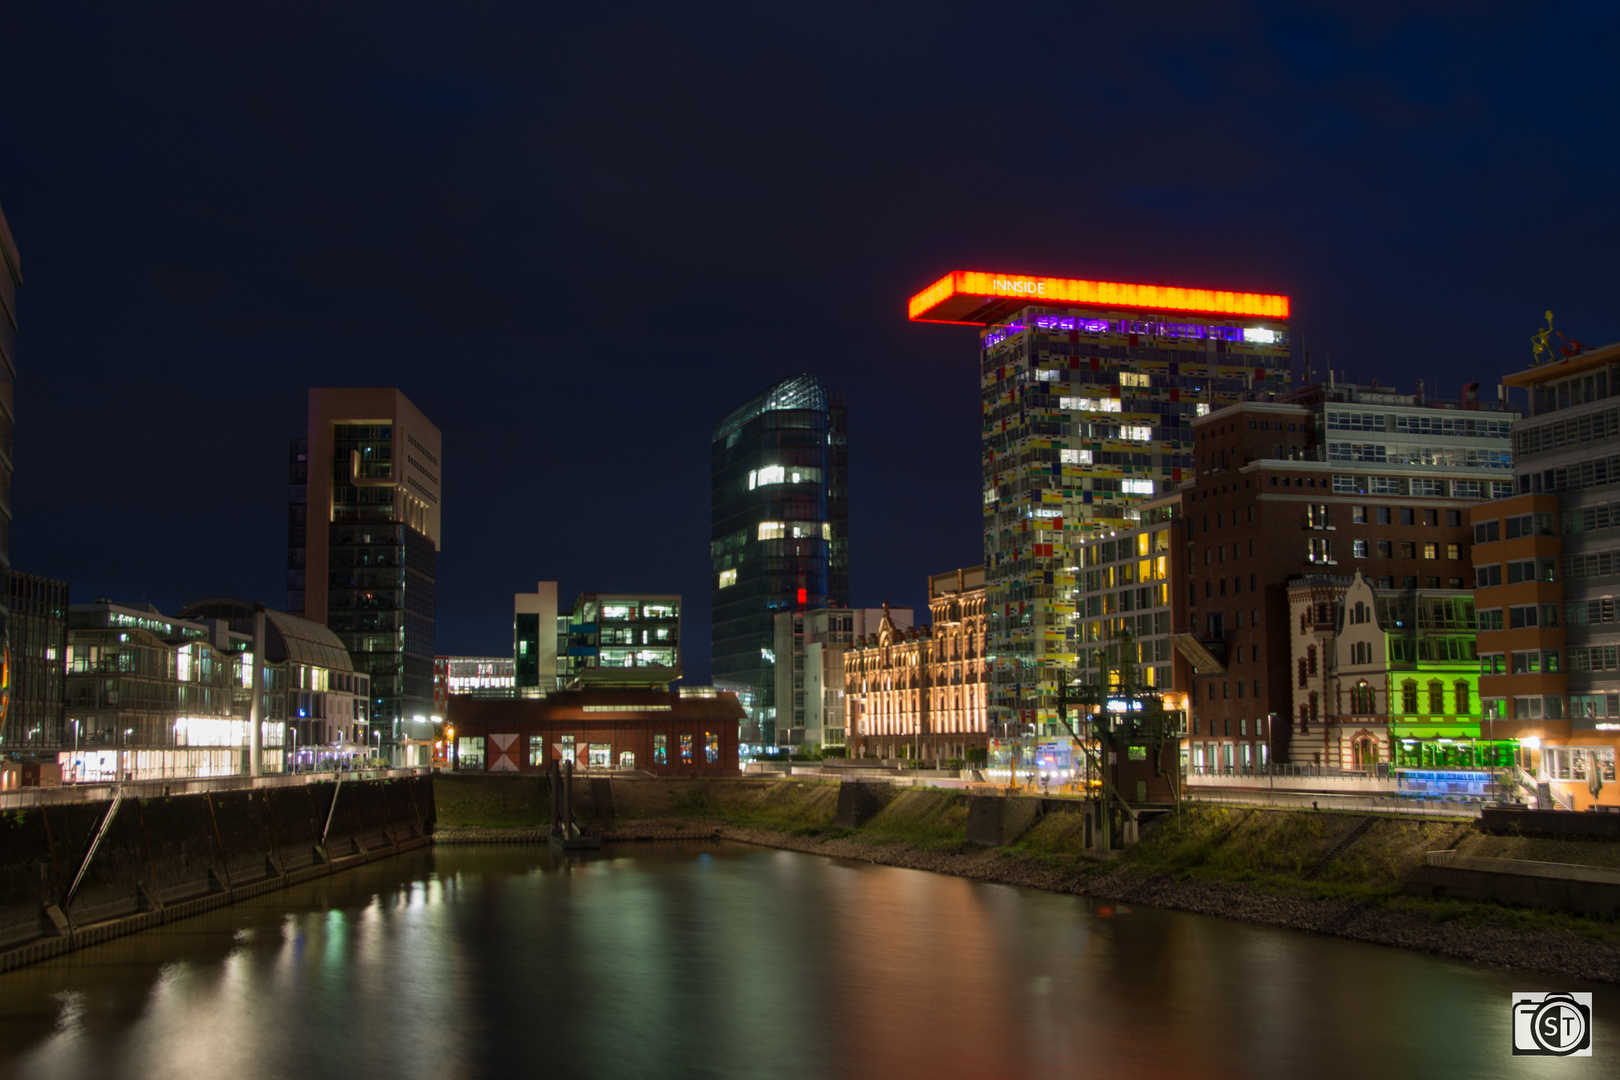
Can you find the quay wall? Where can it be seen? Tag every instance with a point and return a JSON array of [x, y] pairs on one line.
[[162, 858]]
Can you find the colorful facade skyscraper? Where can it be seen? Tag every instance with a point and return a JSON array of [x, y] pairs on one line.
[[779, 532], [363, 542], [1088, 391]]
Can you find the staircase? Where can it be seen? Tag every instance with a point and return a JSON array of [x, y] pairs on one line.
[[1338, 849]]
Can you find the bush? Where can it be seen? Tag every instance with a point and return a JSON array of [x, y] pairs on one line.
[[977, 755], [834, 751], [954, 763]]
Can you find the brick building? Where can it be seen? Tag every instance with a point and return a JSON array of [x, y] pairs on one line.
[[1335, 480], [687, 732], [922, 692]]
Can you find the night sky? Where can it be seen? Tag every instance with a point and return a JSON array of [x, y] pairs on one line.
[[576, 235]]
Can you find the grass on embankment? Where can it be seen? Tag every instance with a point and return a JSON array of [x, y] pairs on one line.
[[1274, 850], [499, 801]]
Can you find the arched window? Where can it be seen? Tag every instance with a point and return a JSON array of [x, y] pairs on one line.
[[1313, 707], [1304, 720], [1437, 698], [1324, 612], [1302, 674], [1361, 699], [1302, 622], [1409, 696], [1310, 659], [1462, 693], [1366, 751]]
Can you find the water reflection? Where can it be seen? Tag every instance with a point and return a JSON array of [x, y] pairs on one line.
[[695, 959]]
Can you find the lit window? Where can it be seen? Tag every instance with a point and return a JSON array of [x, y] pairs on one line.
[[1134, 378], [1259, 336], [728, 578], [1074, 457], [1136, 433], [1137, 487], [772, 530]]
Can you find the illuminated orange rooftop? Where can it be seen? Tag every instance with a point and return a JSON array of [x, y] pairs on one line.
[[979, 298]]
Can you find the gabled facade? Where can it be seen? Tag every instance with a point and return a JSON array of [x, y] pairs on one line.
[[1385, 679]]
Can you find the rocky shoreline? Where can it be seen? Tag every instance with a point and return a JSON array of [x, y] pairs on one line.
[[1550, 952]]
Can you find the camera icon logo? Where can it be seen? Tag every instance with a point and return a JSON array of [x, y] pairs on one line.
[[1556, 1024]]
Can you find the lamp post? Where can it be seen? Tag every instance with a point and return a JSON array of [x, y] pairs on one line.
[[293, 728], [378, 736], [124, 754], [77, 764]]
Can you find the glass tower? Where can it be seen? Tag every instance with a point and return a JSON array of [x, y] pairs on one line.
[[364, 544], [779, 532]]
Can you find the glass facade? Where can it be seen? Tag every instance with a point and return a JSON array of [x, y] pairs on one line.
[[779, 532], [38, 645], [363, 549], [1086, 413], [621, 638]]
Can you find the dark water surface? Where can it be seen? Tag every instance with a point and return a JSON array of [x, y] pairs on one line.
[[654, 960]]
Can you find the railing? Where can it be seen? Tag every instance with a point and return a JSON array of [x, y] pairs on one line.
[[1282, 769], [148, 789]]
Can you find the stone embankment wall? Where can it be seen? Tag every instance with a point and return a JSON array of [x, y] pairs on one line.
[[165, 858]]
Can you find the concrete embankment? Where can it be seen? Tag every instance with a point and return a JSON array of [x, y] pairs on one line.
[[71, 875], [1342, 874]]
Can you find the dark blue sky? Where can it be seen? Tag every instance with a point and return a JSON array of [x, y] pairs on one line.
[[577, 235]]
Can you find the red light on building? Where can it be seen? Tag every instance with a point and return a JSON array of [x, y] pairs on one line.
[[804, 597], [979, 298]]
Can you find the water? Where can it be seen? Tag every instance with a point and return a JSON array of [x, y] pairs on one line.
[[727, 961]]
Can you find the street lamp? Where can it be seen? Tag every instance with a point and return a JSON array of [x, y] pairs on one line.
[[378, 736], [77, 763], [127, 733]]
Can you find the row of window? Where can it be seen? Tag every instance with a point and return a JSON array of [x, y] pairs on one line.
[[1424, 424], [1524, 662], [1517, 571], [1539, 523], [1518, 617], [1412, 454], [1420, 486], [1573, 432]]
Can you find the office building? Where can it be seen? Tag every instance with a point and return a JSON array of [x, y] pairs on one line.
[[779, 532], [472, 676], [311, 685], [37, 650], [922, 693], [10, 279], [364, 536], [622, 639], [537, 635], [1546, 562], [1332, 482], [809, 653], [1088, 393]]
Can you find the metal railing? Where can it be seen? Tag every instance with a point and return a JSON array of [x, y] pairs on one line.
[[149, 789]]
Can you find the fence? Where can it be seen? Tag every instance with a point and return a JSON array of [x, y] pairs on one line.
[[148, 789]]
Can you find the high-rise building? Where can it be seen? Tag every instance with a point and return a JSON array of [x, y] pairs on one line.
[[779, 532], [1545, 562], [810, 648], [38, 649], [1088, 391], [471, 676], [363, 545], [10, 278]]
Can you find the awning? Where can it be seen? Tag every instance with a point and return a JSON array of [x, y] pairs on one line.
[[1429, 731], [1202, 660]]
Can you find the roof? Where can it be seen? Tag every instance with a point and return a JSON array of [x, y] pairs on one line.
[[980, 298], [288, 637], [1561, 369], [798, 392], [575, 705]]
